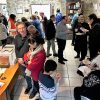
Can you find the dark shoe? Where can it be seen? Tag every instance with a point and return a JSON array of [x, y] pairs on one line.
[[81, 59], [27, 90], [80, 73], [33, 93], [77, 56], [55, 55], [61, 62], [48, 55], [65, 59]]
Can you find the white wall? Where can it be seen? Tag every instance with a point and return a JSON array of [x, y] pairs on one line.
[[41, 8], [3, 1]]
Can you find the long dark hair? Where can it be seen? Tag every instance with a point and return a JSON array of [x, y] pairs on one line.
[[94, 17]]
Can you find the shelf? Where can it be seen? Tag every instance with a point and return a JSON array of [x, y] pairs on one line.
[[72, 9], [71, 13]]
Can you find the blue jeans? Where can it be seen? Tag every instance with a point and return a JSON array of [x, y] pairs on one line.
[[27, 78]]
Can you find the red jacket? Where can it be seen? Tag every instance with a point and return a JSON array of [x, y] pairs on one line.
[[37, 64], [13, 26]]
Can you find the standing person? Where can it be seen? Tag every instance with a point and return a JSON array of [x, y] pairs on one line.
[[24, 20], [21, 44], [22, 47], [4, 19], [36, 22], [94, 35], [73, 23], [21, 40], [61, 35], [50, 36], [44, 24], [81, 38], [48, 87], [3, 33], [33, 31], [12, 25], [35, 59], [58, 16]]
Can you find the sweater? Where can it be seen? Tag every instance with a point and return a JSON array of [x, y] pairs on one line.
[[61, 31], [48, 88]]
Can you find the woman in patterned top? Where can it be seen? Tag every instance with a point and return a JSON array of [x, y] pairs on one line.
[[90, 87]]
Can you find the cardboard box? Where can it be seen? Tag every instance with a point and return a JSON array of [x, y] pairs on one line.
[[7, 56]]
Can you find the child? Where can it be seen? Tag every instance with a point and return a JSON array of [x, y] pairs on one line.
[[48, 86]]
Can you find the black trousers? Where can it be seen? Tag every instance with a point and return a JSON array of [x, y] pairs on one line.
[[90, 93], [36, 86], [93, 52], [61, 46], [74, 35]]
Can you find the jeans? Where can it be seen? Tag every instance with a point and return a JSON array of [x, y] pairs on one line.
[[27, 78]]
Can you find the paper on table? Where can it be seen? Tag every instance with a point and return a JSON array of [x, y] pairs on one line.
[[2, 70], [1, 84]]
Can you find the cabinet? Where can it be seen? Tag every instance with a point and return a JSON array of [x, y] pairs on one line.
[[72, 8]]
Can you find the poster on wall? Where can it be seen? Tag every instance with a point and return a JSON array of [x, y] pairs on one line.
[[19, 10]]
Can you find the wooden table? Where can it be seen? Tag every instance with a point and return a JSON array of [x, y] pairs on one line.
[[11, 75]]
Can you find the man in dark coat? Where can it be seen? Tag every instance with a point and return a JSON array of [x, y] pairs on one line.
[[50, 36]]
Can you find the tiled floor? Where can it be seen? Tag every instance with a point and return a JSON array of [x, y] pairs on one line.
[[69, 80]]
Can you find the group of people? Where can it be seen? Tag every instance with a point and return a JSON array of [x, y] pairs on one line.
[[86, 33], [28, 39], [31, 58]]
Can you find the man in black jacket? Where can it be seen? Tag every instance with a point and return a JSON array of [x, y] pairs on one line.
[[22, 47], [50, 36]]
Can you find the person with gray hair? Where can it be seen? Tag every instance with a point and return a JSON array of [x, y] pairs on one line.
[[33, 31]]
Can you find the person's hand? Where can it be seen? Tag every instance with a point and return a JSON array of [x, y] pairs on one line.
[[29, 54], [84, 30], [20, 61], [58, 76]]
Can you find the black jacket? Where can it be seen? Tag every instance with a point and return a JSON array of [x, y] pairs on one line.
[[50, 30], [21, 45], [94, 40]]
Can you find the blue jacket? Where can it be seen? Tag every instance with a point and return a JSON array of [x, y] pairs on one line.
[[58, 17]]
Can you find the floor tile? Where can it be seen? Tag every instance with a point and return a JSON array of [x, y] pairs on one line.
[[20, 97], [64, 73], [64, 82], [64, 91], [64, 98], [75, 82]]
